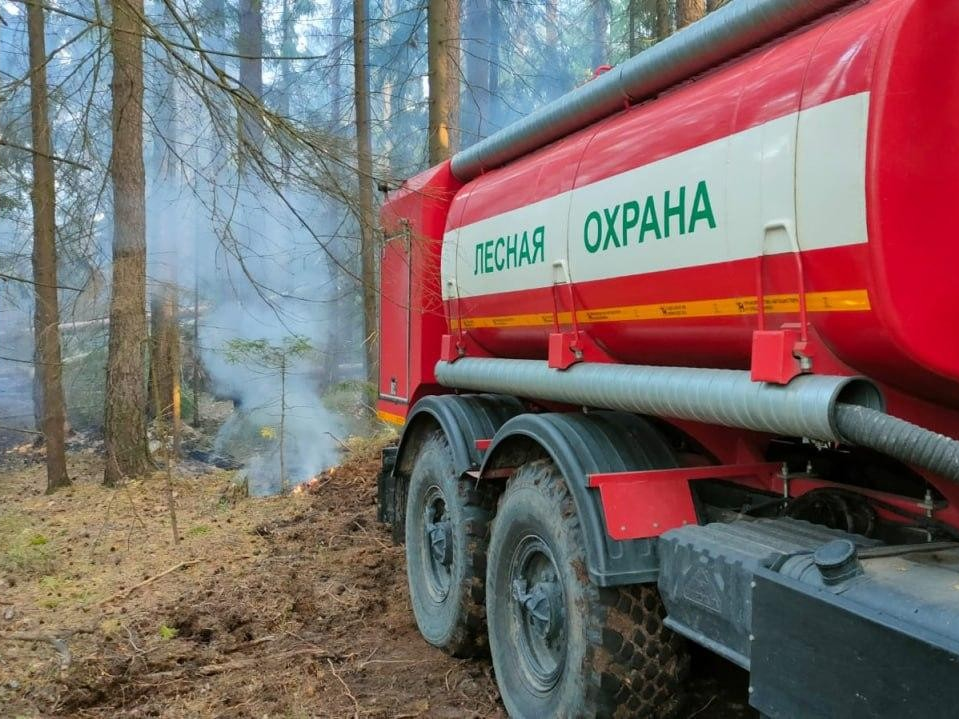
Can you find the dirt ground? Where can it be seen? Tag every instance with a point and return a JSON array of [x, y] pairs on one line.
[[284, 607]]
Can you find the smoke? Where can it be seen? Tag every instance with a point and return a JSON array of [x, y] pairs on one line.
[[262, 262], [276, 329]]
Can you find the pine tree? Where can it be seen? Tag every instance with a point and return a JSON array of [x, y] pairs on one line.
[[367, 220], [689, 11], [46, 316], [125, 437], [664, 19], [443, 58], [249, 46]]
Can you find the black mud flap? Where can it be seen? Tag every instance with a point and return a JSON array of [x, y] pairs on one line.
[[391, 496]]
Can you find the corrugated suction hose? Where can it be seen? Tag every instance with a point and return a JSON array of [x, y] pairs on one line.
[[898, 438]]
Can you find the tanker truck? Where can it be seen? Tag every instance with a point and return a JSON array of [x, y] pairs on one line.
[[676, 364]]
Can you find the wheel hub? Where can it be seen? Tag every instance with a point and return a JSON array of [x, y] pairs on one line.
[[542, 606], [539, 613], [440, 537], [438, 545]]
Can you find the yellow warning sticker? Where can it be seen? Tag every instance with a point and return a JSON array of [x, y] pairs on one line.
[[837, 301]]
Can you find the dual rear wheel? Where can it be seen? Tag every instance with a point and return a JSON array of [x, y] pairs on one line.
[[561, 645]]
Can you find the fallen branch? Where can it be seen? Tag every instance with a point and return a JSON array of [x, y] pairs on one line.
[[252, 643], [127, 592], [316, 652], [211, 669], [20, 429], [57, 641], [339, 441], [346, 688]]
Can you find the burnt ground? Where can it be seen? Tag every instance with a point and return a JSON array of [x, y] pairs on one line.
[[285, 607]]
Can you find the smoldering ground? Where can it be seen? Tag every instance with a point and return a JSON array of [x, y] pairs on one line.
[[278, 319]]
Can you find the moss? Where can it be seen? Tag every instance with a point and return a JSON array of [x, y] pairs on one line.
[[23, 551]]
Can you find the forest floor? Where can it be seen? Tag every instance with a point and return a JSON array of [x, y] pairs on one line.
[[289, 606]]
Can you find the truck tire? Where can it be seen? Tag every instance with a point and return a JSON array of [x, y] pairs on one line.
[[447, 531], [563, 647]]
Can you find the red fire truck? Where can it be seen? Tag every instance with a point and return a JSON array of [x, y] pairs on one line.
[[673, 362]]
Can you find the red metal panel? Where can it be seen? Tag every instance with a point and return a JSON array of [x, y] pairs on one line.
[[913, 181], [420, 208], [903, 51], [646, 507], [646, 504], [395, 319]]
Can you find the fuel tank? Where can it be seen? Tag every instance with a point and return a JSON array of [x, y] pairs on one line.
[[815, 173]]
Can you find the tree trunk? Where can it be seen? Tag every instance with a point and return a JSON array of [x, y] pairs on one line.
[[442, 39], [600, 32], [454, 58], [476, 47], [125, 437], [195, 383], [283, 483], [165, 357], [164, 329], [249, 45], [364, 172], [664, 19], [46, 312], [632, 9], [689, 11], [287, 49]]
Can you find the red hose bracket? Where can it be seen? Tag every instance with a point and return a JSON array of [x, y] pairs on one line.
[[778, 356]]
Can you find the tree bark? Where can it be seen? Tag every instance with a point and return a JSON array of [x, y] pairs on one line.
[[164, 329], [287, 49], [664, 19], [442, 39], [454, 55], [364, 174], [46, 312], [249, 45], [195, 383], [689, 11], [165, 357], [125, 437], [283, 484]]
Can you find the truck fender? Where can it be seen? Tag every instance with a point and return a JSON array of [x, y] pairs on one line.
[[582, 444], [462, 418]]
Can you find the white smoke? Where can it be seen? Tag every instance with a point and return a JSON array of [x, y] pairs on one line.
[[266, 279]]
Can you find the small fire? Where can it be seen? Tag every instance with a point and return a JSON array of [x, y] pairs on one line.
[[312, 486]]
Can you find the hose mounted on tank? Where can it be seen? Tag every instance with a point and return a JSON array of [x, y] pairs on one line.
[[819, 407], [899, 439]]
